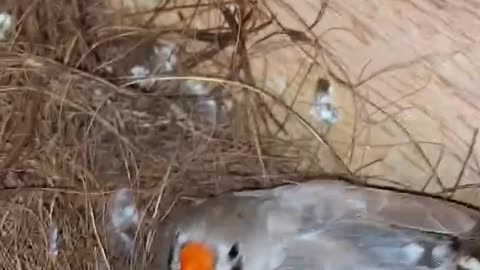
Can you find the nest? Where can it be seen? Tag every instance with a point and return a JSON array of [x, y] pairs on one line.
[[93, 99]]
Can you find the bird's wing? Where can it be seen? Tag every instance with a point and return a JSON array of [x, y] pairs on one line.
[[312, 204], [362, 246]]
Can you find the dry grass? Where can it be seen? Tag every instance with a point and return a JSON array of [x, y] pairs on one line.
[[75, 125]]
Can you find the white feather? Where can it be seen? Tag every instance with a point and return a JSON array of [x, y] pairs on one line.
[[5, 25]]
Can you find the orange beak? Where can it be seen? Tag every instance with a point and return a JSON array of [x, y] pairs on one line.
[[196, 256]]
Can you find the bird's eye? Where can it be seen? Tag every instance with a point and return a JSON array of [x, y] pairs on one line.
[[234, 251], [235, 258]]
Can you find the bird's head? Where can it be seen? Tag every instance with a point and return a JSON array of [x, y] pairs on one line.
[[198, 255]]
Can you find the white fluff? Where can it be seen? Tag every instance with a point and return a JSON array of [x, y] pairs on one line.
[[413, 252], [206, 105], [53, 240], [168, 57], [123, 215], [323, 108], [124, 211], [140, 73], [469, 263], [5, 25], [196, 88]]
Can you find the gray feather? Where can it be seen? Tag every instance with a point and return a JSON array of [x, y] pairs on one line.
[[331, 225]]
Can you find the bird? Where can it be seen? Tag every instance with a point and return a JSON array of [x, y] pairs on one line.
[[317, 225]]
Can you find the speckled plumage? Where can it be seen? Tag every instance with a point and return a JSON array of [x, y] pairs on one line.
[[323, 225]]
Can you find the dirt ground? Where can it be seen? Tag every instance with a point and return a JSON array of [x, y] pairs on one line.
[[186, 99]]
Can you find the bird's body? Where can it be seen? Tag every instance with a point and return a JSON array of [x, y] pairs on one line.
[[323, 225]]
